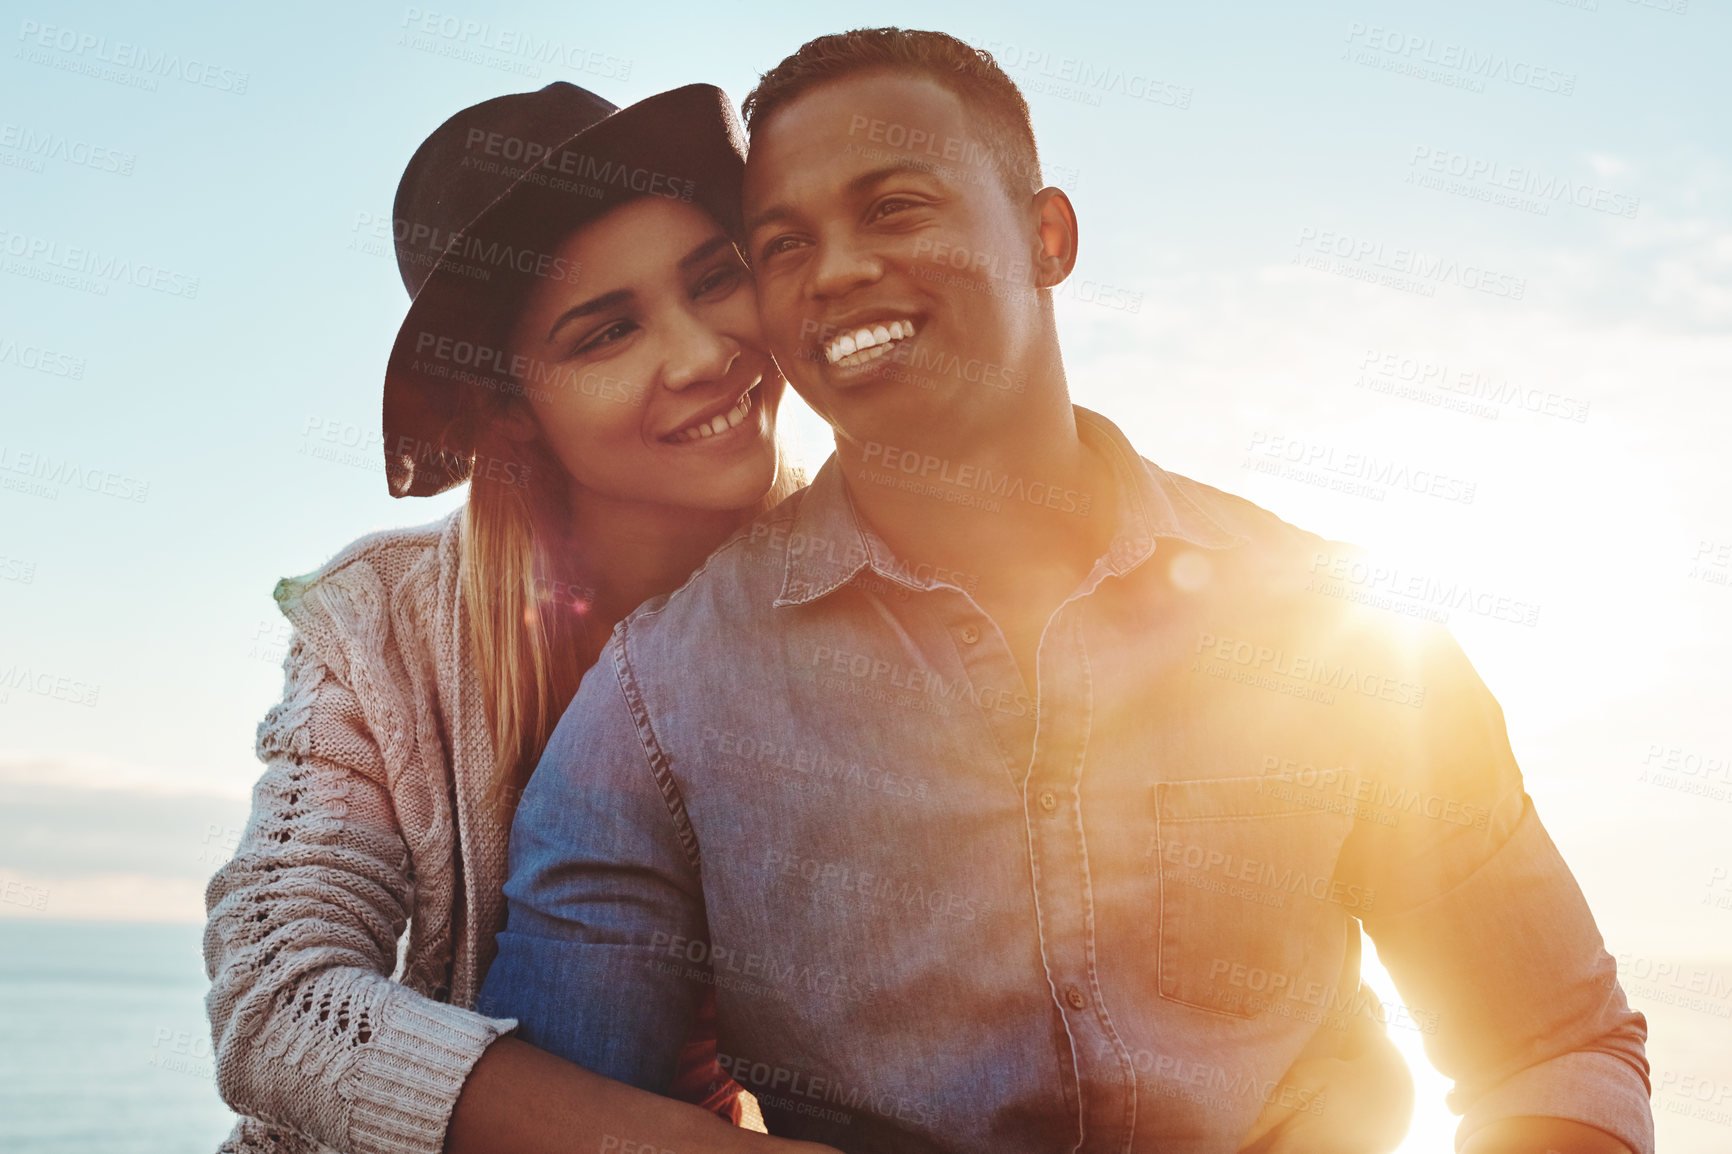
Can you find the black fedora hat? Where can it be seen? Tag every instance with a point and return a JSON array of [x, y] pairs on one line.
[[481, 209]]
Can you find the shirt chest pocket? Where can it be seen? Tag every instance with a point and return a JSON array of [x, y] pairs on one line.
[[1252, 915]]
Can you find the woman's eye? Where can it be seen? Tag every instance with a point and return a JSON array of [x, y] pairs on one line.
[[719, 279], [604, 336]]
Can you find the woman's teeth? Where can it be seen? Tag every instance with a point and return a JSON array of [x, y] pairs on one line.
[[728, 420], [862, 345]]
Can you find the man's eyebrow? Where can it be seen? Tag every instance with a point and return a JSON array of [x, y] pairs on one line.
[[590, 307], [864, 181], [774, 213], [901, 168]]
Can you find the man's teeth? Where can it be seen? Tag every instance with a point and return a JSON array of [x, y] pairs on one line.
[[721, 424], [866, 344]]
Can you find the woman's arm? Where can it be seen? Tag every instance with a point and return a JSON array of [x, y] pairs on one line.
[[520, 1100], [1359, 1103], [311, 1033]]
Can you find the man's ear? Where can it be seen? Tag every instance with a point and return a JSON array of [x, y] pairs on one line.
[[1056, 220]]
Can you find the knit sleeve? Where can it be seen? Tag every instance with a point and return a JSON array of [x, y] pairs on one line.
[[309, 1030]]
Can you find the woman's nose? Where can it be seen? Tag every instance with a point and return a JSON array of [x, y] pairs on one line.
[[697, 353]]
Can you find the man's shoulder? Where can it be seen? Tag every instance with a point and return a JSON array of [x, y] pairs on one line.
[[1268, 539]]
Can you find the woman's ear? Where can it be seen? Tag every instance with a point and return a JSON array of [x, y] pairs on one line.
[[1055, 256]]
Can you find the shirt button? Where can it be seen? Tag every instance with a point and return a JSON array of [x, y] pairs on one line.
[[1047, 801], [1075, 997], [970, 635]]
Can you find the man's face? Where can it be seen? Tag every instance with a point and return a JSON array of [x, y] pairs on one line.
[[893, 265]]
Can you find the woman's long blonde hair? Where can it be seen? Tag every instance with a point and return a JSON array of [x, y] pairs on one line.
[[520, 572]]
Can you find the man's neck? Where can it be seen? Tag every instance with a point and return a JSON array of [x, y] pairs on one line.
[[1021, 514]]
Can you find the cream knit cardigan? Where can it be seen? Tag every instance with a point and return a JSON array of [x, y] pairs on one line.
[[370, 817]]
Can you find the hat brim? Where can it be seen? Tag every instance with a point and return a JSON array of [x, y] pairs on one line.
[[686, 145]]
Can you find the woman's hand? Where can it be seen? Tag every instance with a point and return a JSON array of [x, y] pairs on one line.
[[1360, 1104]]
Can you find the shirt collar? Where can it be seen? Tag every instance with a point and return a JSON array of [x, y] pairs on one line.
[[828, 542]]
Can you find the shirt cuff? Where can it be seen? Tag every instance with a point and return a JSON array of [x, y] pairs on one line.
[[1583, 1086], [407, 1081]]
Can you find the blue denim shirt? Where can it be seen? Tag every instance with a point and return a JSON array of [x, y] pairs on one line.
[[942, 910]]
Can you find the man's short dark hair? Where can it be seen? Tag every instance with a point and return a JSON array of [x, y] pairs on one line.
[[992, 99]]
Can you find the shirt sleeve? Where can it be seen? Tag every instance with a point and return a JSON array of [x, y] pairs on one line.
[[1482, 925], [605, 945]]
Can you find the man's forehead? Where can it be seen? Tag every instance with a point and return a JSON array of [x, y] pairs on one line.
[[853, 116]]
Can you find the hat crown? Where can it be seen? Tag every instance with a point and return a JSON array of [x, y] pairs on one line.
[[472, 159]]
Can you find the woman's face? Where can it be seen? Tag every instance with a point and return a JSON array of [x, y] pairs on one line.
[[647, 373]]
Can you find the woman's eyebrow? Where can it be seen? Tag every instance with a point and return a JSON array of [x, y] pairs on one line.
[[589, 307], [705, 250]]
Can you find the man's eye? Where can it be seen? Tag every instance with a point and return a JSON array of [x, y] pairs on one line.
[[892, 205], [776, 246]]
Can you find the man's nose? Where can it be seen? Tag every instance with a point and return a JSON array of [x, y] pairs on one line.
[[840, 266]]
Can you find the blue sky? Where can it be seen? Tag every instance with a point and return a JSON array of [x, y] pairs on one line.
[[1489, 241]]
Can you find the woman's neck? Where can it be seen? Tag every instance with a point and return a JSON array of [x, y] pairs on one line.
[[635, 551]]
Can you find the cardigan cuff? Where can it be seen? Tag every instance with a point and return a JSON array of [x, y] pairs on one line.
[[411, 1071]]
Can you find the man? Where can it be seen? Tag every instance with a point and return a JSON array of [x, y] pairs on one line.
[[1013, 793]]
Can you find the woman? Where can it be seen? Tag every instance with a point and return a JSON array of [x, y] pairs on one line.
[[583, 348]]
